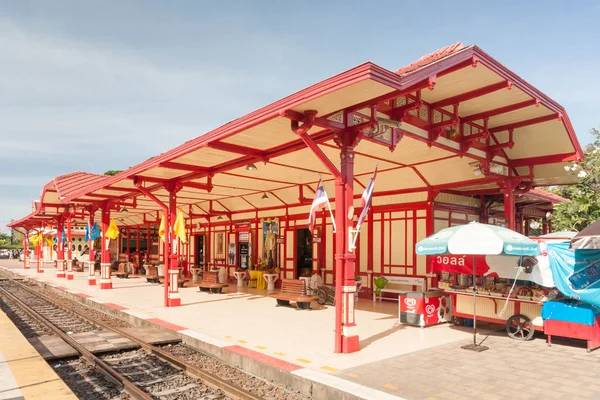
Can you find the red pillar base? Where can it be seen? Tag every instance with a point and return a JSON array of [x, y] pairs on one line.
[[106, 285], [92, 282], [173, 302], [40, 271], [61, 275], [69, 277], [350, 344]]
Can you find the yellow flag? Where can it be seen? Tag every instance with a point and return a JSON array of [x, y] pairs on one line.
[[112, 231], [161, 228], [49, 240], [35, 239], [179, 226]]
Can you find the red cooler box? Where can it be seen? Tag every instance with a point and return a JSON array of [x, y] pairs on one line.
[[424, 308]]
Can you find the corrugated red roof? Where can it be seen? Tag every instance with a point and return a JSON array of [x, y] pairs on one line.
[[548, 196], [69, 183], [431, 57]]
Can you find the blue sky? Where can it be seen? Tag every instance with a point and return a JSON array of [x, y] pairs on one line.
[[98, 85]]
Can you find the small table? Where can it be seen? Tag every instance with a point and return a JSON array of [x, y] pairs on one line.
[[271, 279], [240, 276], [195, 272]]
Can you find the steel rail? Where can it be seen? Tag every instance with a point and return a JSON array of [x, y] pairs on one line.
[[207, 378], [121, 382]]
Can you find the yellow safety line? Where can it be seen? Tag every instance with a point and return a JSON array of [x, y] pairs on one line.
[[330, 369], [280, 353], [303, 360], [242, 341], [388, 386], [261, 347]]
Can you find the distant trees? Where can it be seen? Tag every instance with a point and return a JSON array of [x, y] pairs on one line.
[[584, 207], [113, 172]]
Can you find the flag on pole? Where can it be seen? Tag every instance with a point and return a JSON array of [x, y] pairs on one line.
[[365, 200], [113, 231], [35, 239], [179, 226], [320, 201], [161, 228], [91, 233]]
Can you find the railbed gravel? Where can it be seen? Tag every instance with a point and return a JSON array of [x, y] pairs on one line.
[[29, 327], [72, 304], [143, 368], [252, 384], [85, 382]]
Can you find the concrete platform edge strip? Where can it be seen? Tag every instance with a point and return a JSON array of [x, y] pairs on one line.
[[309, 382], [204, 338], [360, 391]]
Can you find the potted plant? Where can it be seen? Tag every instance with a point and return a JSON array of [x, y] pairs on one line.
[[380, 283], [358, 283]]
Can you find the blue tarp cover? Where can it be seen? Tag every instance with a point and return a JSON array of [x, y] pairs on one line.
[[576, 273], [570, 310]]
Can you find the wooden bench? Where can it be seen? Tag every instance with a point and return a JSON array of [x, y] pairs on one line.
[[397, 285], [121, 273], [293, 290], [210, 282], [152, 275]]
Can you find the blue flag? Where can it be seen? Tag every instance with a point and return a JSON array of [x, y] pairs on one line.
[[91, 234], [64, 238]]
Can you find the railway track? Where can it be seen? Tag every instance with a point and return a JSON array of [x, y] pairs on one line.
[[146, 373]]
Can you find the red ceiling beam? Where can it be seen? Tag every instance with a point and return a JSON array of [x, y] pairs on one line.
[[183, 167], [318, 121], [501, 110], [551, 159], [234, 148], [471, 94], [271, 153], [528, 122]]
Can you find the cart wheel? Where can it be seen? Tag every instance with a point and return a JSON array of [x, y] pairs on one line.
[[321, 296], [519, 327]]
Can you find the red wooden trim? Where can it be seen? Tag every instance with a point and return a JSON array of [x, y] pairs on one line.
[[528, 122], [234, 148], [500, 110], [551, 159], [470, 95]]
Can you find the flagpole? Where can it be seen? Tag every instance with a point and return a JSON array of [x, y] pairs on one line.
[[331, 214]]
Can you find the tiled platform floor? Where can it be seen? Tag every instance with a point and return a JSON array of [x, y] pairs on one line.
[[405, 361]]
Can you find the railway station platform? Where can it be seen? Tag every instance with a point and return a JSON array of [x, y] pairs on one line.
[[23, 372], [395, 361]]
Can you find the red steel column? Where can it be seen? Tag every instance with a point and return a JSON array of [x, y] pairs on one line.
[[92, 255], [128, 245], [105, 281], [508, 187], [40, 253], [346, 328], [26, 250], [69, 251], [137, 247], [173, 298], [60, 250]]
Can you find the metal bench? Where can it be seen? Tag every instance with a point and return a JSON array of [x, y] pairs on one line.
[[210, 282], [293, 290]]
